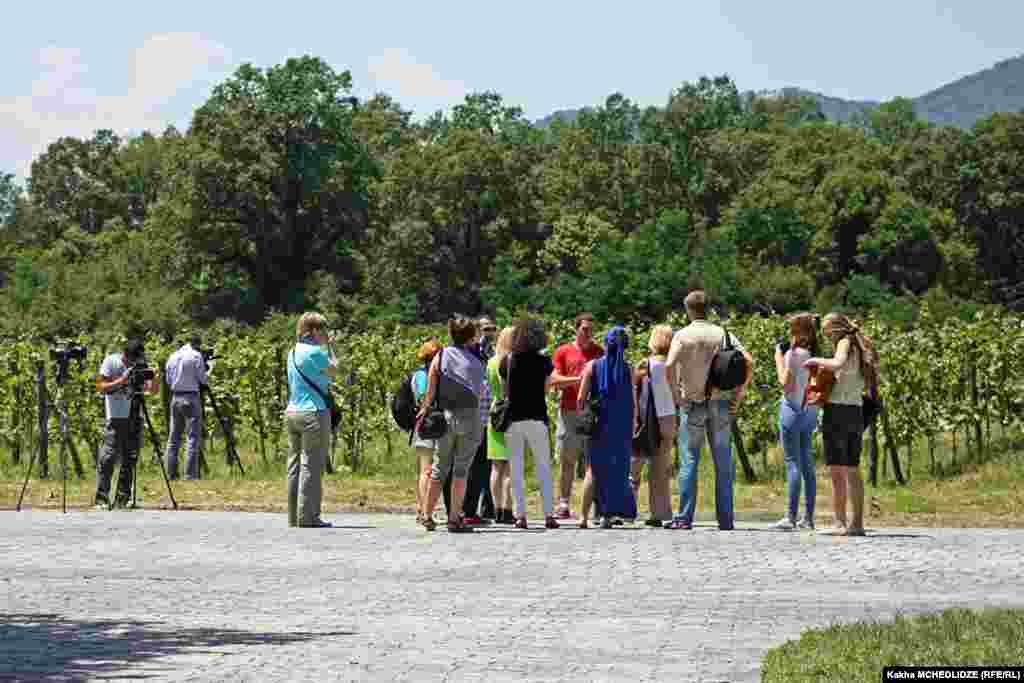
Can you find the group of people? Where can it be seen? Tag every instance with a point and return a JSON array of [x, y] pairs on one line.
[[667, 398]]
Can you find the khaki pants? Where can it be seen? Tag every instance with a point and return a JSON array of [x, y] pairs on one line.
[[309, 438]]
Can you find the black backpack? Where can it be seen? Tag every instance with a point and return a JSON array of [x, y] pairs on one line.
[[728, 367], [403, 405], [647, 437]]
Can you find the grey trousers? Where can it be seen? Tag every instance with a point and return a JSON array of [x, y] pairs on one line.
[[121, 442], [187, 417], [309, 438]]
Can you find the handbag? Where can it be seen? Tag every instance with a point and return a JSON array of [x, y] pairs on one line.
[[647, 437], [433, 425], [328, 399], [589, 422], [501, 411]]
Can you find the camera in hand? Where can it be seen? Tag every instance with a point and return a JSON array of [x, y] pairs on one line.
[[783, 345]]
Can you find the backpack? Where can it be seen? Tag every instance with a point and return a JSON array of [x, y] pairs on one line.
[[728, 367], [403, 405], [648, 435]]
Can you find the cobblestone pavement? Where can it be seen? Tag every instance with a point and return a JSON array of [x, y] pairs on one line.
[[238, 596]]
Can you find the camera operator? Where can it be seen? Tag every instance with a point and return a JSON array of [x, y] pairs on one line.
[[186, 374], [122, 437]]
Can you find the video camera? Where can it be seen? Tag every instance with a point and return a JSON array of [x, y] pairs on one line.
[[65, 352], [139, 373]]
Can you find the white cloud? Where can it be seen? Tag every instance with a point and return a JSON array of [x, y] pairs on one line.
[[397, 73], [64, 101]]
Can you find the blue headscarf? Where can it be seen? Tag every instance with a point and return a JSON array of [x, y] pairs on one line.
[[613, 371]]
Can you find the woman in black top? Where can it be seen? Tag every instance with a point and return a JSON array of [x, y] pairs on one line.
[[532, 375]]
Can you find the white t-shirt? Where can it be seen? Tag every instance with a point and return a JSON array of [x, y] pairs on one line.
[[118, 402]]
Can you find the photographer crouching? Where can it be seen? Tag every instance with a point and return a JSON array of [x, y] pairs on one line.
[[186, 376], [121, 375]]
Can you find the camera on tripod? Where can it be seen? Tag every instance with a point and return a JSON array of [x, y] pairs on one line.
[[65, 352], [139, 374]]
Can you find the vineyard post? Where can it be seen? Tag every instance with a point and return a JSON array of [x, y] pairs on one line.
[[890, 445], [872, 455], [16, 414], [975, 399], [44, 417], [741, 453]]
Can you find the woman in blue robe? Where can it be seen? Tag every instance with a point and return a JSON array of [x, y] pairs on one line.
[[610, 449]]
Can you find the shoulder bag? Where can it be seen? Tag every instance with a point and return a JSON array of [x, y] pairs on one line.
[[327, 398], [501, 411], [433, 425]]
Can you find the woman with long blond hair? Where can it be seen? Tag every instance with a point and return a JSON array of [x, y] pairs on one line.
[[659, 469], [797, 421], [497, 450], [842, 425]]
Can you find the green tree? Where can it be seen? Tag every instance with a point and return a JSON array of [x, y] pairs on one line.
[[277, 181]]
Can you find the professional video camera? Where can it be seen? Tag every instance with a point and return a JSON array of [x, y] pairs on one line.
[[64, 352], [140, 373]]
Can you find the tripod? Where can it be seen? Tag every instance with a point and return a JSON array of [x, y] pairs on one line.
[[66, 443], [138, 406], [229, 434]]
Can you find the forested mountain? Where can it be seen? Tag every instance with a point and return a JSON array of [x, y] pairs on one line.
[[286, 193], [960, 103]]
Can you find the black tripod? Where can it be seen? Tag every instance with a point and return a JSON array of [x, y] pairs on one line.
[[138, 406], [66, 443], [229, 434]]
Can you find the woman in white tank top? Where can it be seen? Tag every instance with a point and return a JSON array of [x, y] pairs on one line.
[[659, 498]]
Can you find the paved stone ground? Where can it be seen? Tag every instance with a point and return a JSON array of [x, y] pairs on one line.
[[239, 597]]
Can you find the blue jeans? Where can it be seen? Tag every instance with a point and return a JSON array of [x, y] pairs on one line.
[[796, 446], [697, 422]]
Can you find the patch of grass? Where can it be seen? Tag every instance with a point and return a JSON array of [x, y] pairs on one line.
[[858, 652]]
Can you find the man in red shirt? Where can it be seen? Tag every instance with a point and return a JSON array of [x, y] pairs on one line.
[[570, 359]]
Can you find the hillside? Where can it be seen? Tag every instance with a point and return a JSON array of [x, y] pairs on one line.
[[961, 103]]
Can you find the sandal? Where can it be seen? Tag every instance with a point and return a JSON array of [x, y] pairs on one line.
[[428, 523], [584, 524], [459, 527]]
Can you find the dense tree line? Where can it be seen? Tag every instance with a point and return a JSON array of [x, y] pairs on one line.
[[287, 192]]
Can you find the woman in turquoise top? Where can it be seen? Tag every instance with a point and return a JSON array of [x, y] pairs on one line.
[[424, 447], [311, 369]]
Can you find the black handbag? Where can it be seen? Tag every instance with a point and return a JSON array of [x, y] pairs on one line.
[[647, 437], [433, 425], [328, 399], [501, 411], [589, 422]]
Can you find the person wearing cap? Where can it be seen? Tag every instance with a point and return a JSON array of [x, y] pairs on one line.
[[185, 374], [122, 434]]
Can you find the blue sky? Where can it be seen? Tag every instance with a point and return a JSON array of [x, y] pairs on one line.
[[72, 67]]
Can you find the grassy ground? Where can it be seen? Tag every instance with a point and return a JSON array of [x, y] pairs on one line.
[[858, 652], [982, 495]]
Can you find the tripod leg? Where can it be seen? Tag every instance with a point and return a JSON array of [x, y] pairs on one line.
[[156, 451], [28, 472], [64, 475], [229, 435]]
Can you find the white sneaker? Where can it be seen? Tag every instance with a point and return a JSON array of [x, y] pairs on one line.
[[784, 524], [804, 523]]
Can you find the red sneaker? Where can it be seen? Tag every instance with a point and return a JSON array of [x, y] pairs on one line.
[[563, 513], [472, 520]]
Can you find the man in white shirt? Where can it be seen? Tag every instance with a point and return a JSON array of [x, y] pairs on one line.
[[186, 374], [703, 415]]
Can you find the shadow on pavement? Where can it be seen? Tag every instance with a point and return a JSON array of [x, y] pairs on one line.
[[48, 647]]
